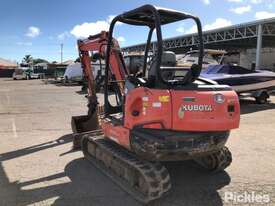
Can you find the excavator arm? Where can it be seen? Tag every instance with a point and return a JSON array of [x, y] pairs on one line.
[[117, 73], [98, 43]]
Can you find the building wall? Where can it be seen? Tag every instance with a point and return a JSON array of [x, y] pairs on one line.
[[248, 57], [6, 72], [232, 59]]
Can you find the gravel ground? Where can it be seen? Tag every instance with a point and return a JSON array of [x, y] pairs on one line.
[[37, 166]]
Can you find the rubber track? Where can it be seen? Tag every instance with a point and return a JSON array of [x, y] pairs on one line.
[[121, 166], [217, 161]]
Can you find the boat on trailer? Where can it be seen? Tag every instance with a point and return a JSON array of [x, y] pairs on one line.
[[254, 83]]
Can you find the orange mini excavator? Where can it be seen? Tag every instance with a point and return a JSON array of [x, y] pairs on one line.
[[162, 113]]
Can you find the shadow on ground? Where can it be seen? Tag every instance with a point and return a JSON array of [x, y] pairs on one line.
[[193, 186], [250, 106], [36, 148], [81, 92], [88, 186], [59, 83]]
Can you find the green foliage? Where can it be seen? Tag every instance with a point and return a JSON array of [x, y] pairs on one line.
[[39, 60], [27, 59]]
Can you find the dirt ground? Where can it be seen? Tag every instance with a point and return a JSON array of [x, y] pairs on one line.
[[37, 166]]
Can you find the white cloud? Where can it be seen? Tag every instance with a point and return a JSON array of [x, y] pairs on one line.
[[87, 29], [63, 35], [191, 30], [207, 2], [235, 1], [270, 6], [264, 15], [121, 39], [241, 10], [219, 22], [180, 29], [91, 28], [110, 18], [256, 1], [24, 43], [33, 32]]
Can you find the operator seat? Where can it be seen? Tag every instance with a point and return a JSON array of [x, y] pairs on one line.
[[133, 80], [168, 59]]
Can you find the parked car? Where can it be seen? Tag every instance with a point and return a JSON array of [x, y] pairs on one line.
[[26, 74], [19, 74], [37, 75], [33, 75]]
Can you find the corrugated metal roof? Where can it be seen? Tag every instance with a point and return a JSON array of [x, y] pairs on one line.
[[216, 37], [68, 62]]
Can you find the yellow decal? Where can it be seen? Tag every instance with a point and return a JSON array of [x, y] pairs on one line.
[[145, 104], [164, 98], [181, 113]]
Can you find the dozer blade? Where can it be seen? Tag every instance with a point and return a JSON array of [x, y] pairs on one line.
[[83, 124], [143, 180]]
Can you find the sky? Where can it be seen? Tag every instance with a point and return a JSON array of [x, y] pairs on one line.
[[39, 27]]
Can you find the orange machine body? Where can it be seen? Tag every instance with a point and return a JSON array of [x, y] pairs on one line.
[[177, 110], [160, 122]]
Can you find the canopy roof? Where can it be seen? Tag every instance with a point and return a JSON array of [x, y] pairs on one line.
[[144, 15]]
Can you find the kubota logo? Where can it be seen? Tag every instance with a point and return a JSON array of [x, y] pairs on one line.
[[196, 107]]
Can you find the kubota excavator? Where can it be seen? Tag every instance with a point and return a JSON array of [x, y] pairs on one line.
[[162, 113]]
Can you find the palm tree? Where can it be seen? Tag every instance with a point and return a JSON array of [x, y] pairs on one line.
[[28, 59]]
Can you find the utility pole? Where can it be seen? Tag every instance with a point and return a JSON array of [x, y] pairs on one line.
[[61, 53]]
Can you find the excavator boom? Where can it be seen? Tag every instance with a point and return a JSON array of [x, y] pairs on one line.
[[95, 44]]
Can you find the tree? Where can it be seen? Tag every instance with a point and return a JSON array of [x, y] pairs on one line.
[[27, 59], [39, 60], [77, 60]]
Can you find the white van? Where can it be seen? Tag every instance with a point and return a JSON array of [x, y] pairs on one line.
[[74, 72]]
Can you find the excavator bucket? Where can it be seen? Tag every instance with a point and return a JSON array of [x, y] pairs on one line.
[[82, 125]]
